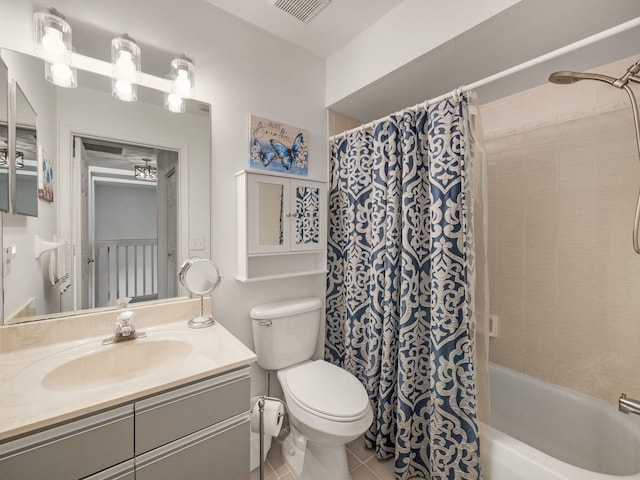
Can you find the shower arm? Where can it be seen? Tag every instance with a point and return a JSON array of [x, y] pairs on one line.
[[634, 108]]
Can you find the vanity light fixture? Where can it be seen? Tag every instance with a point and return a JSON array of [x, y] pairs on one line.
[[146, 171], [125, 58], [53, 43], [52, 36]]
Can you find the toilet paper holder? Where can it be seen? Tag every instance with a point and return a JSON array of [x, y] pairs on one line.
[[261, 401]]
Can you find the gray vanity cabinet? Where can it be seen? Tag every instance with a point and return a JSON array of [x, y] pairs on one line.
[[124, 471], [74, 450], [219, 452], [198, 431], [171, 442]]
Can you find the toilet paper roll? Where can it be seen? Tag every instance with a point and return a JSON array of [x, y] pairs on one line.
[[273, 416]]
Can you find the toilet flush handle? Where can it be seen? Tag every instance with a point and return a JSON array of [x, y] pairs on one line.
[[264, 323]]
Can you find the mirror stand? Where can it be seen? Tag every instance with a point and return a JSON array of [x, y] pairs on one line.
[[200, 277], [203, 320]]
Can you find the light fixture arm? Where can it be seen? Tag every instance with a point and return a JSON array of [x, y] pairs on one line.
[[90, 64]]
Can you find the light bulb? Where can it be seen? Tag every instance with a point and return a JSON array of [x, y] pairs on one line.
[[61, 73], [52, 41], [183, 76], [125, 58], [174, 103], [124, 90], [125, 65], [52, 36], [183, 83]]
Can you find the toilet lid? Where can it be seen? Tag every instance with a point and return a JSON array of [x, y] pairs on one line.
[[323, 387]]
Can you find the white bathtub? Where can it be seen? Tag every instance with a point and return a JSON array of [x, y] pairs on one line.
[[544, 432]]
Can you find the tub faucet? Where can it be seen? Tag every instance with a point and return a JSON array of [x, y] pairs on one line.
[[124, 329], [628, 405]]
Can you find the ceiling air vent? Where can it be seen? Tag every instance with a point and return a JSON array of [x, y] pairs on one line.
[[303, 10]]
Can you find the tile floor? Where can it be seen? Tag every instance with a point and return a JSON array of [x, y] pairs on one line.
[[363, 463]]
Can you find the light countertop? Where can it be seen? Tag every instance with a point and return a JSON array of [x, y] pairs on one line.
[[28, 402]]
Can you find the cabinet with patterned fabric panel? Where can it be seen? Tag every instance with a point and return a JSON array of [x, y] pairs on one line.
[[281, 226]]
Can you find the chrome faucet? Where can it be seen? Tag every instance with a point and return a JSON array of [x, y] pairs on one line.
[[124, 329], [628, 405]]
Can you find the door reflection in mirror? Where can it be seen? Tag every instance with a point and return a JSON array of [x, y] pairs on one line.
[[129, 223]]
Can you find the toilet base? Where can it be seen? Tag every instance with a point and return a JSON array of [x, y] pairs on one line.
[[313, 461]]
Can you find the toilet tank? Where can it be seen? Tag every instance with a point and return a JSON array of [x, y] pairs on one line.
[[286, 333]]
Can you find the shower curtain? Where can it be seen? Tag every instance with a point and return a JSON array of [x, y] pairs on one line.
[[401, 286]]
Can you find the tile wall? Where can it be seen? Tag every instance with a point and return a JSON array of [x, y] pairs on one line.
[[563, 176], [338, 122]]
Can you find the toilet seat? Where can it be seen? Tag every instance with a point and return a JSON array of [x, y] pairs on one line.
[[327, 391]]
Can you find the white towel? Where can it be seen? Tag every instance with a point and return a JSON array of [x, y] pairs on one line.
[[63, 253], [59, 266]]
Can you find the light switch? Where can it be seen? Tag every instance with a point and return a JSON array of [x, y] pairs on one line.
[[196, 243]]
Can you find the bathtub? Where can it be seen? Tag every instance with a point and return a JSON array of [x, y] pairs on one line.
[[541, 431]]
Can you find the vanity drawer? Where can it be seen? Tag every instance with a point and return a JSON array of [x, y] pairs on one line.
[[169, 416], [218, 452], [124, 471], [71, 451]]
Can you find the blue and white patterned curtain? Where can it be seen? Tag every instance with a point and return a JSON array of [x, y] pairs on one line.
[[400, 286]]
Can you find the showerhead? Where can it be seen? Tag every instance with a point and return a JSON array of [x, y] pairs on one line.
[[566, 77]]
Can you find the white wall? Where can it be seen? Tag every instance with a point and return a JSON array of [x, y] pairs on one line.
[[410, 30], [125, 211], [240, 71]]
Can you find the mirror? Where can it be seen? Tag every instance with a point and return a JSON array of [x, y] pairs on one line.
[[4, 144], [26, 156], [200, 277], [270, 211], [65, 279]]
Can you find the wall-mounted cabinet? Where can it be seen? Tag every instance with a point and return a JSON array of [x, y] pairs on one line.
[[281, 226]]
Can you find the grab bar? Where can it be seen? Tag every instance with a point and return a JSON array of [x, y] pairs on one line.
[[628, 405]]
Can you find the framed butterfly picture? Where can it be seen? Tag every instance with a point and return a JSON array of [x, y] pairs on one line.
[[277, 147], [45, 176]]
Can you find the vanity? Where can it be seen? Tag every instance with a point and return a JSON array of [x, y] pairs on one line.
[[174, 404]]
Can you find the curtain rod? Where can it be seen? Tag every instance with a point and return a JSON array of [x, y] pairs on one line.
[[623, 27]]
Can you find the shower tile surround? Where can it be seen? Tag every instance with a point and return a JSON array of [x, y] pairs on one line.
[[338, 123], [563, 176]]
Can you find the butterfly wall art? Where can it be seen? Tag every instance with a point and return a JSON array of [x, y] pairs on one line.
[[277, 146]]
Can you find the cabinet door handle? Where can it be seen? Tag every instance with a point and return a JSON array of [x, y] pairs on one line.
[[294, 215]]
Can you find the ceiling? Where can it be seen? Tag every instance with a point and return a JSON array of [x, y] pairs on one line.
[[522, 32], [332, 28], [525, 31]]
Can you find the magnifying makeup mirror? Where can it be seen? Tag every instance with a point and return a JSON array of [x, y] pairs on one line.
[[200, 277]]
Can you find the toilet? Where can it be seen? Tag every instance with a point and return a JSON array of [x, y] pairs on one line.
[[328, 407]]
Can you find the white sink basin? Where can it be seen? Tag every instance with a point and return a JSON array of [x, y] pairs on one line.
[[116, 363]]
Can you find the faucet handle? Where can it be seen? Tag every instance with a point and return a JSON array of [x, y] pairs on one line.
[[124, 319]]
